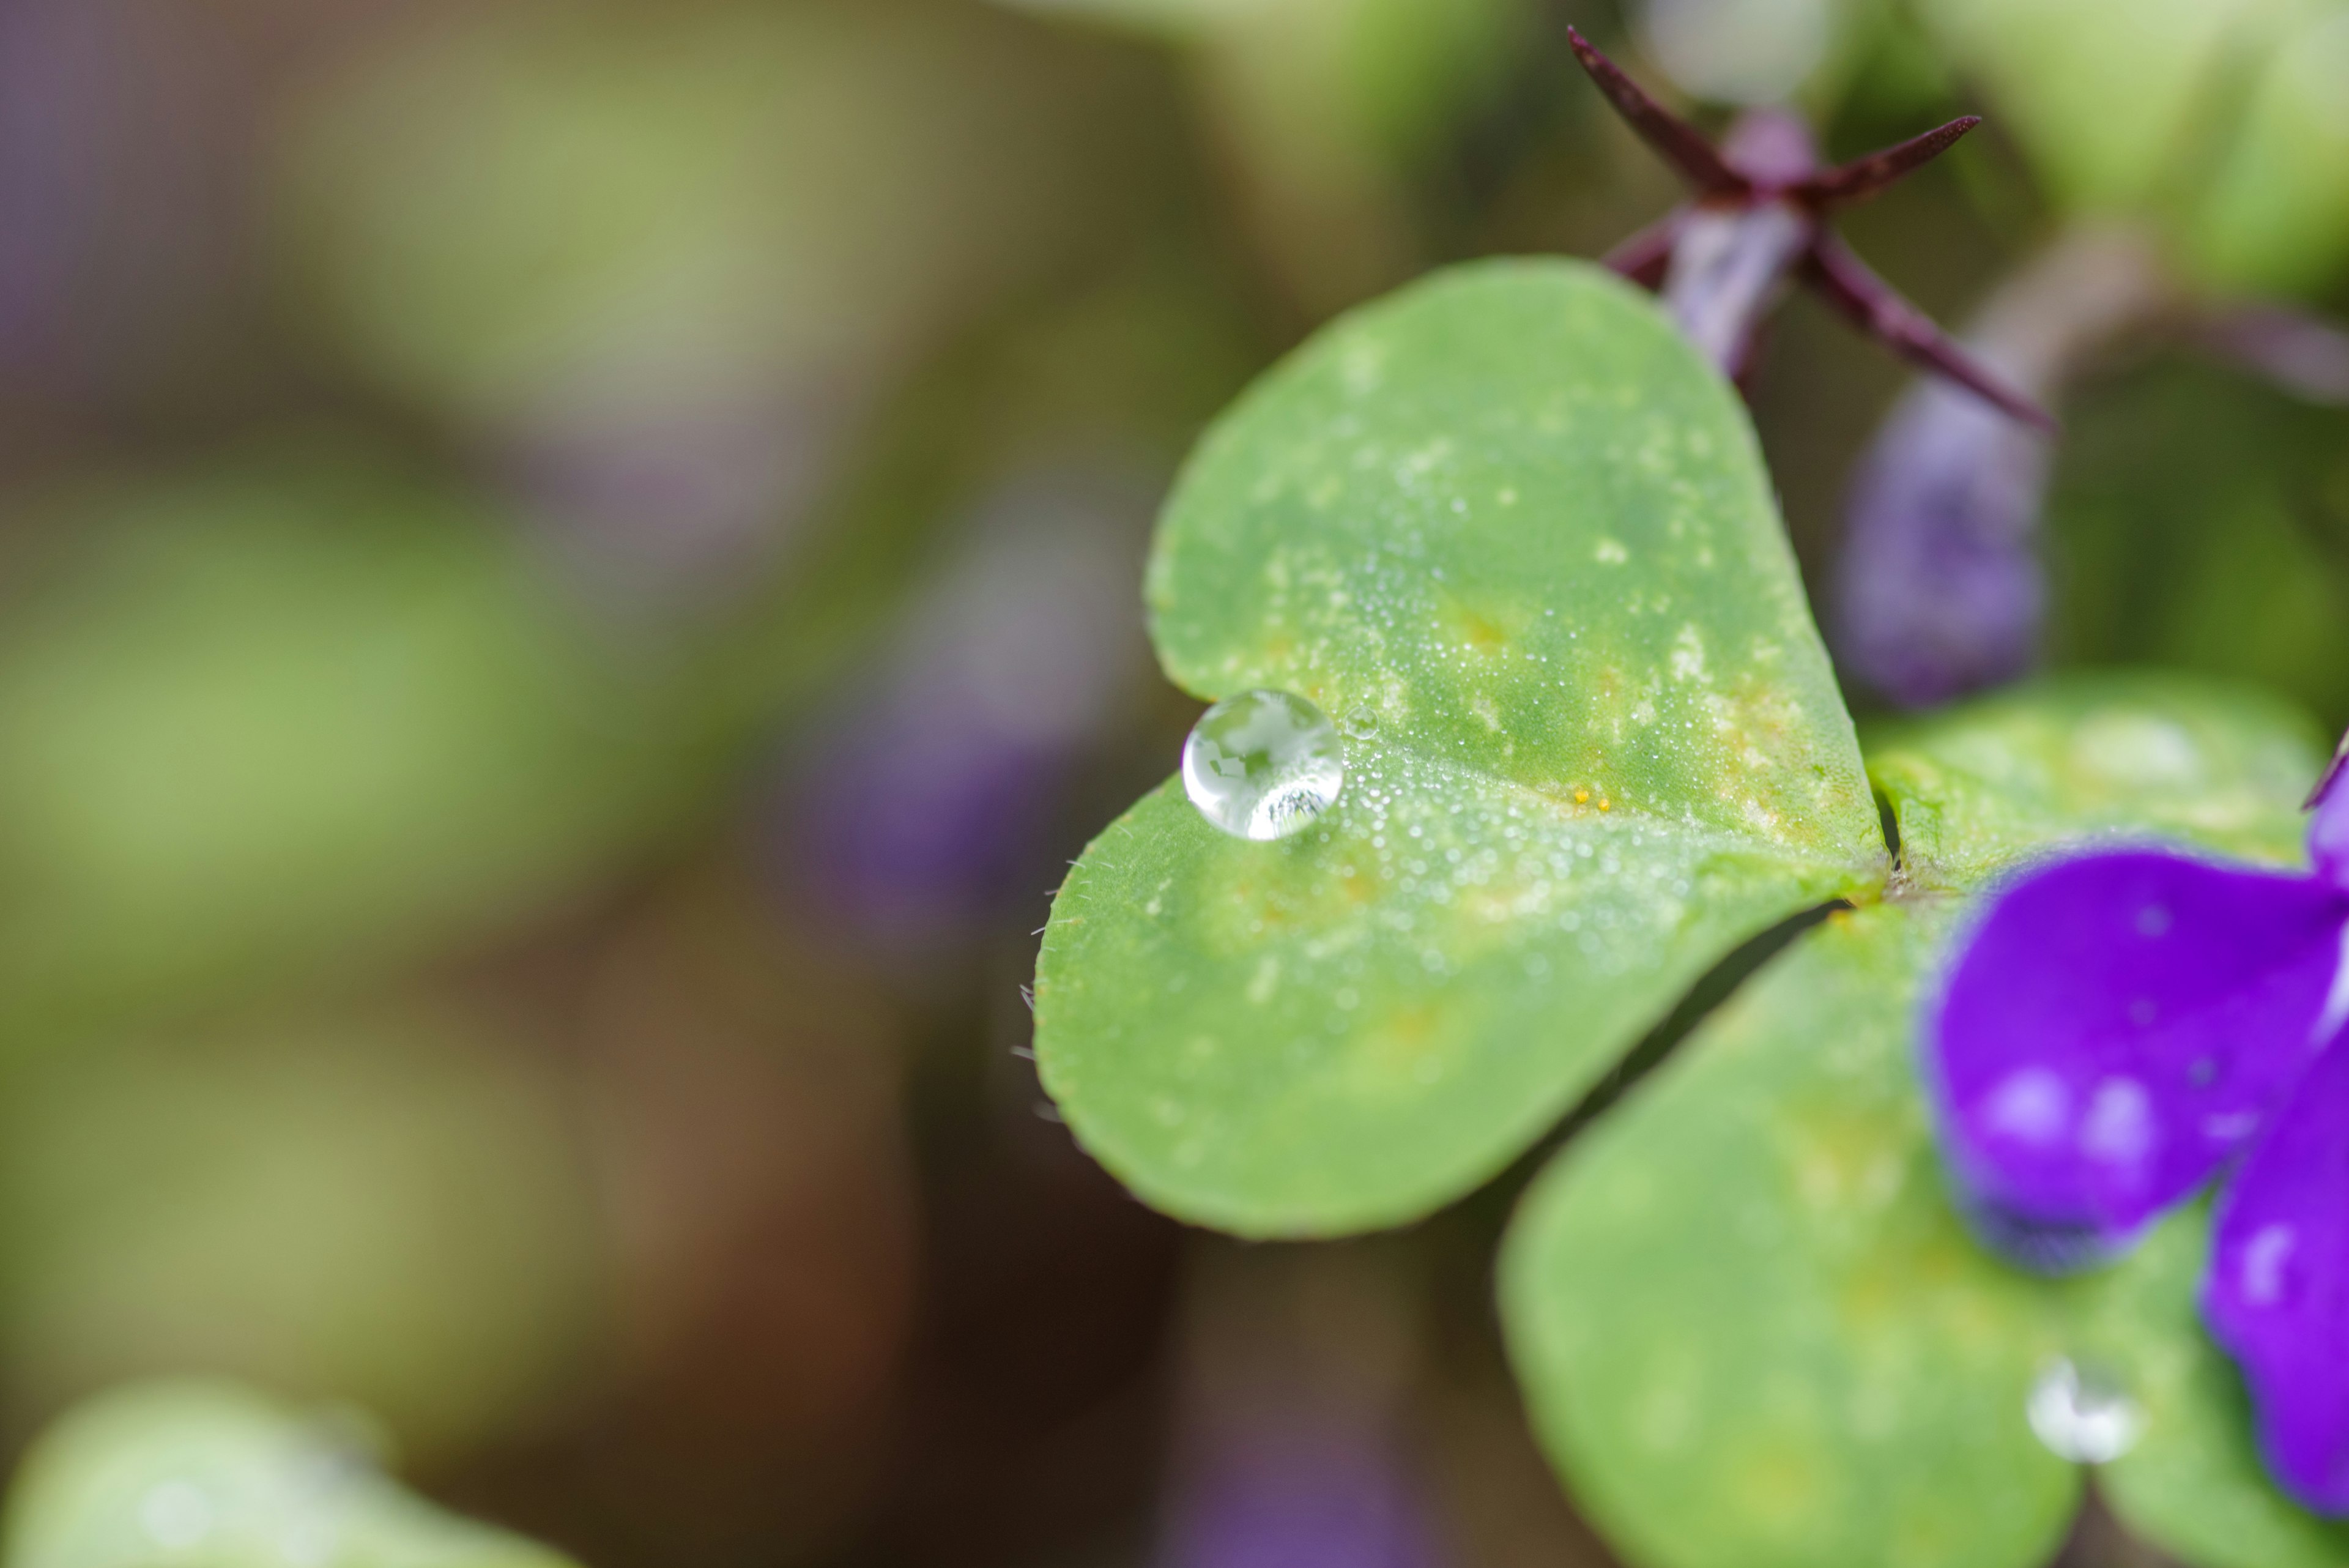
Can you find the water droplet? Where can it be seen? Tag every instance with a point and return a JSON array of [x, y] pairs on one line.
[[1360, 723], [2082, 1414], [1262, 765]]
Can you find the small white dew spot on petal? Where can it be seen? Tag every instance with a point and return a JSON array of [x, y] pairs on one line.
[[2033, 1106], [2264, 1256], [2118, 1126]]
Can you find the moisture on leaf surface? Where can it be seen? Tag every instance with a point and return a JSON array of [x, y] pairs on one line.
[[1512, 522]]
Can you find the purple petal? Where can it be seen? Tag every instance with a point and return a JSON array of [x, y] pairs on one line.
[[1284, 1496], [2328, 831], [2117, 1027], [2277, 1295]]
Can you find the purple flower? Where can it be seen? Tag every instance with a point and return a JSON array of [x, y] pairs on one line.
[[1941, 592], [2123, 1025]]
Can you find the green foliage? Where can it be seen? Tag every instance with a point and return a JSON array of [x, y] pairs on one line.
[[2104, 94], [2278, 214], [1750, 1324], [2126, 756], [1510, 530], [1751, 1328], [211, 1476], [1515, 534], [2193, 1485], [548, 216], [379, 1204], [1390, 74], [2201, 520], [192, 798], [2220, 118]]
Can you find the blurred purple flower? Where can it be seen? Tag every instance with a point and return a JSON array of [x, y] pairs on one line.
[[678, 506], [923, 801], [1297, 1494], [2121, 1027], [1941, 589], [121, 129]]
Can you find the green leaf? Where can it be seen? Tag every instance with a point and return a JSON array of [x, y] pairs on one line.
[[549, 222], [2108, 97], [1328, 77], [2076, 757], [208, 1474], [2194, 1484], [2278, 218], [1514, 531], [381, 1204], [298, 710], [1751, 1329], [2185, 522]]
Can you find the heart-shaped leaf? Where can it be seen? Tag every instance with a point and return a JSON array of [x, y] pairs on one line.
[[1751, 1326], [206, 1472], [1511, 530]]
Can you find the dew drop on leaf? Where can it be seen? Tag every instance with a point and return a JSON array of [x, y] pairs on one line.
[[2082, 1414], [1262, 765]]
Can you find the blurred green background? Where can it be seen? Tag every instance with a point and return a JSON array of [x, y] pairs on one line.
[[569, 579]]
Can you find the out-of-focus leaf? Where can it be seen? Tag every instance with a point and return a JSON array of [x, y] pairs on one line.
[[538, 204], [1511, 530], [1744, 51], [1750, 1325], [1752, 1330], [2202, 520], [296, 713], [2136, 756], [2223, 120], [663, 265], [2193, 1485], [1391, 74], [2109, 97], [2278, 218], [383, 1207], [212, 1476], [1330, 110]]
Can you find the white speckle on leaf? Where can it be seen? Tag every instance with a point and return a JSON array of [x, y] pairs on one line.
[[1688, 654]]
